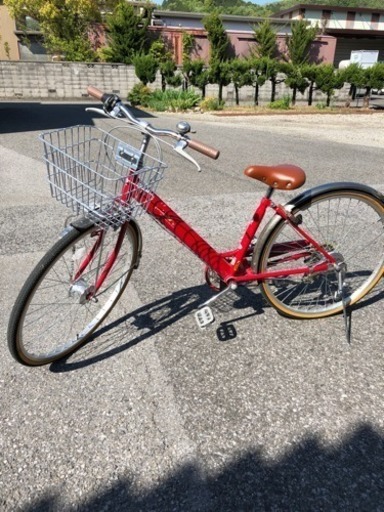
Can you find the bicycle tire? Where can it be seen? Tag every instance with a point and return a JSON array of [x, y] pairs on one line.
[[48, 320], [349, 223]]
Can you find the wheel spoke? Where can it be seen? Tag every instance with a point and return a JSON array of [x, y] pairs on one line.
[[350, 226], [52, 315]]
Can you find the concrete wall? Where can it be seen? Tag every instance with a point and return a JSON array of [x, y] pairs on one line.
[[69, 80], [63, 80]]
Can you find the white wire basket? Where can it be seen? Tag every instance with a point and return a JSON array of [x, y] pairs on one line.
[[87, 168]]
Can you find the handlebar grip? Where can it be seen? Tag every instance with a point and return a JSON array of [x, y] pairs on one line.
[[204, 149], [95, 93]]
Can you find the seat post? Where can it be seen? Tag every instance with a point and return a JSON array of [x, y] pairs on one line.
[[269, 193]]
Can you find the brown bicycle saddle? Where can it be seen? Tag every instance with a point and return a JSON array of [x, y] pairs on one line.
[[283, 177]]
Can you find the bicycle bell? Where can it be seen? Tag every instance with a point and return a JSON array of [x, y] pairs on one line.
[[183, 127]]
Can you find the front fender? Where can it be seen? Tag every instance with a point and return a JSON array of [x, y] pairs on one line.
[[139, 236]]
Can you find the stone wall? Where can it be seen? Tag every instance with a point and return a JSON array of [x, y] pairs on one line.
[[69, 80], [63, 80]]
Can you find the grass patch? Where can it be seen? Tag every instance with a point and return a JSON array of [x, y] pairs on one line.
[[283, 103], [172, 100]]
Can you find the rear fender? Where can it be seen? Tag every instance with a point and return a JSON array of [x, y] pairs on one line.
[[304, 198]]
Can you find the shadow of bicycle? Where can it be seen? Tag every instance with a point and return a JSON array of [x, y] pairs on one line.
[[158, 315], [148, 320]]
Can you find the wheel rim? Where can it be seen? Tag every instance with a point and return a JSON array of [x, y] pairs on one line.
[[55, 321], [351, 226]]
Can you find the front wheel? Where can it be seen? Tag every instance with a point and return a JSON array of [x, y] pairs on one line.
[[350, 226], [58, 309]]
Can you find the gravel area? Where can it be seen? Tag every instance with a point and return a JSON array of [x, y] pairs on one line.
[[257, 412], [354, 128]]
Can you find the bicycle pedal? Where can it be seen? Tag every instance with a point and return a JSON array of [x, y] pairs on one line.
[[204, 317]]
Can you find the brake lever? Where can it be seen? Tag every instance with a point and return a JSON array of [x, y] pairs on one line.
[[97, 111], [179, 148]]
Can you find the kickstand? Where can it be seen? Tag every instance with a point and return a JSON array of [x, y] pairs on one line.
[[347, 311], [347, 314]]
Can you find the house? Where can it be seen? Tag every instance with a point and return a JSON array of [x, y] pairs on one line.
[[240, 30], [357, 28], [342, 30]]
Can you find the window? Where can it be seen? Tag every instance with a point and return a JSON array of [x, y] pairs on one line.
[[351, 15], [375, 21], [326, 15]]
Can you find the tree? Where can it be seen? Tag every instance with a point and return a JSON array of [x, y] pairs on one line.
[[354, 76], [146, 67], [298, 50], [328, 79], [126, 34], [295, 79], [219, 69], [272, 70], [168, 73], [65, 24], [368, 79], [246, 8], [188, 45], [198, 75], [217, 37], [241, 75], [265, 37], [258, 75], [167, 67], [237, 7], [195, 71], [299, 42], [373, 79], [220, 73], [310, 73]]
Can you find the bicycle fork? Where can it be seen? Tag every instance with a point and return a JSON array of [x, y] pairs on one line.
[[80, 287]]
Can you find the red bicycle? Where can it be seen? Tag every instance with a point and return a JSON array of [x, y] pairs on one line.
[[317, 256]]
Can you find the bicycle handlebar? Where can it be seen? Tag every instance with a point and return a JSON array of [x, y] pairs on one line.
[[95, 93], [196, 145]]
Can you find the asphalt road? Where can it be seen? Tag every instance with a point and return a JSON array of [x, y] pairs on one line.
[[156, 415]]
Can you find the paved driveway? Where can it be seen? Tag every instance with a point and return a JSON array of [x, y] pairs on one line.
[[155, 415]]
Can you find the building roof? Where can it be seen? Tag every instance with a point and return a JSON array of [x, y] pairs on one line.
[[337, 8], [225, 17]]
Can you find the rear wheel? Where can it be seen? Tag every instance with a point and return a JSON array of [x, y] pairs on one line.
[[56, 311], [348, 224]]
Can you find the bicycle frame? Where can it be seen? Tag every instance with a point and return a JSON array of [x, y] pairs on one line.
[[230, 266], [233, 265]]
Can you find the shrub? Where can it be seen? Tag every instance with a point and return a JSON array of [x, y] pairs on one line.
[[139, 95], [281, 104], [145, 67], [211, 104], [173, 100]]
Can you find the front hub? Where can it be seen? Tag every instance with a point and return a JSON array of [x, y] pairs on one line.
[[80, 291]]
